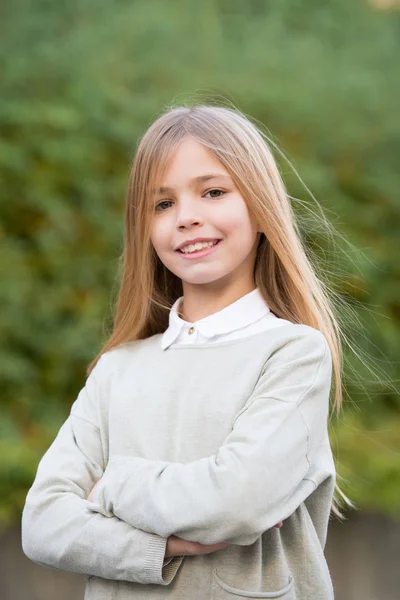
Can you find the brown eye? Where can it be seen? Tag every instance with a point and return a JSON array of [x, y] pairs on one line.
[[215, 190]]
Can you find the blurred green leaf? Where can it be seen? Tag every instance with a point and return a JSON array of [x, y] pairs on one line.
[[81, 81]]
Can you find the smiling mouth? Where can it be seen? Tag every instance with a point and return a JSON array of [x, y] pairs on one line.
[[215, 242], [199, 253]]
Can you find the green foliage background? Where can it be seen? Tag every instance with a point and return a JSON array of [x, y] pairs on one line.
[[82, 80]]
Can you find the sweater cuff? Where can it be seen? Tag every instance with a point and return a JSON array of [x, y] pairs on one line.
[[157, 568]]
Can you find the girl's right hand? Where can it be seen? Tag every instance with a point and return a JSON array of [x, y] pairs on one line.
[[178, 547]]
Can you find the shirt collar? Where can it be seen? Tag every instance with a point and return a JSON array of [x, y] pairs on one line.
[[249, 308]]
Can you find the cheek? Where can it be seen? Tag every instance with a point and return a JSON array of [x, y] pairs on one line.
[[159, 238], [234, 213], [237, 222]]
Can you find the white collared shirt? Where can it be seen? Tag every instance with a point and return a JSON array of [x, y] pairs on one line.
[[244, 317]]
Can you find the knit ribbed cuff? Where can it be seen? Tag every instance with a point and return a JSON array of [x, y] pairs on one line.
[[157, 569]]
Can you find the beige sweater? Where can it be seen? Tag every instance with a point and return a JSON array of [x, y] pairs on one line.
[[212, 443]]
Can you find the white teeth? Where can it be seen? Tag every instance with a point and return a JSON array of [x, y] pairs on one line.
[[198, 246]]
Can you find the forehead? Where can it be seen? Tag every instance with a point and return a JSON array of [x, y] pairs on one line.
[[191, 164]]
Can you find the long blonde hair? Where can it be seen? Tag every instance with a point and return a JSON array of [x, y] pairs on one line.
[[284, 272]]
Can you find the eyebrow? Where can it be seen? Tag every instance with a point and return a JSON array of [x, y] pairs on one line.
[[199, 179]]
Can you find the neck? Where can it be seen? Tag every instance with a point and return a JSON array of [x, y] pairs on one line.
[[196, 305]]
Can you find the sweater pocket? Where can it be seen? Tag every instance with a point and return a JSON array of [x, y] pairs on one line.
[[221, 590]]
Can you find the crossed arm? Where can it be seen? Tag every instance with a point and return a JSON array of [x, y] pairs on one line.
[[257, 478], [91, 496]]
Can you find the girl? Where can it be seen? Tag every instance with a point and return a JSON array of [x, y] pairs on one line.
[[203, 423]]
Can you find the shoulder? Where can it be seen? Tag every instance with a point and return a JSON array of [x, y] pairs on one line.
[[298, 341], [305, 334], [125, 355]]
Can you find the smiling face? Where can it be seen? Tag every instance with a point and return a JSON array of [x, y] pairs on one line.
[[194, 205]]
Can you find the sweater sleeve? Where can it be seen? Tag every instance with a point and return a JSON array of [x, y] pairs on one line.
[[59, 531], [257, 477]]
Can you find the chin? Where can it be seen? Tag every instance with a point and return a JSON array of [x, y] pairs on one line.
[[203, 279]]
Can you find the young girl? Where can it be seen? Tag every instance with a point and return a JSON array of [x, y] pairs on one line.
[[203, 423]]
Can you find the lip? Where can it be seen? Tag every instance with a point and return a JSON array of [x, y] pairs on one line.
[[200, 253], [188, 242]]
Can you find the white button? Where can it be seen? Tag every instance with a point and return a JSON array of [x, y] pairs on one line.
[[191, 330]]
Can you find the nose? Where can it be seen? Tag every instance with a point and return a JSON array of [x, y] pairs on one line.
[[188, 214]]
